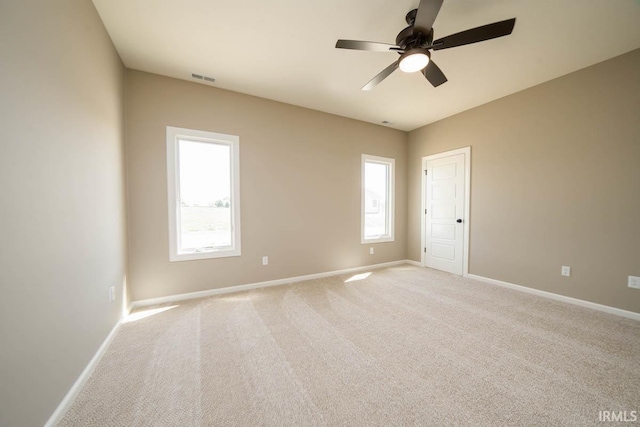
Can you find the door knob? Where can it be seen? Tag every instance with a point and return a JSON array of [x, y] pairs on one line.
[[458, 220]]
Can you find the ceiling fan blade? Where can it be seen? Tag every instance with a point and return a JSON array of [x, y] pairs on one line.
[[381, 76], [427, 13], [474, 35], [371, 46], [433, 73]]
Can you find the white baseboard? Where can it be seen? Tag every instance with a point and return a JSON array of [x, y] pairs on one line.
[[412, 262], [551, 295], [277, 282], [82, 379]]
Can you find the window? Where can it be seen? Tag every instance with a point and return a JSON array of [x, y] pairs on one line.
[[204, 194], [377, 199]]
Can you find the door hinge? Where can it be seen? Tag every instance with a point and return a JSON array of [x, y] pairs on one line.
[[425, 211], [425, 171], [425, 250]]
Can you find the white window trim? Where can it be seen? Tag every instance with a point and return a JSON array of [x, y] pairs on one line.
[[173, 134], [391, 190]]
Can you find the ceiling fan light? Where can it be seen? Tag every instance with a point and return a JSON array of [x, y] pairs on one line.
[[414, 60]]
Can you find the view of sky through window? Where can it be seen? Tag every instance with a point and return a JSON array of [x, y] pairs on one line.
[[205, 175]]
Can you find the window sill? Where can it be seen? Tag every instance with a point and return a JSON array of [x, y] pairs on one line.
[[204, 255], [383, 239]]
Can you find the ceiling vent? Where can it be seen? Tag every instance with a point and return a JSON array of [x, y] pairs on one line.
[[201, 77]]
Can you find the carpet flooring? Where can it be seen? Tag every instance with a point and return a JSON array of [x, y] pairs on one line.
[[403, 346]]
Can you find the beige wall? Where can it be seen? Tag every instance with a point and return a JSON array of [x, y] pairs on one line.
[[299, 185], [62, 205], [555, 181]]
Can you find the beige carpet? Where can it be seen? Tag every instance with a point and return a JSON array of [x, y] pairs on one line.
[[404, 346]]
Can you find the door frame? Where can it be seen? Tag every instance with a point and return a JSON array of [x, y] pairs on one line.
[[467, 204]]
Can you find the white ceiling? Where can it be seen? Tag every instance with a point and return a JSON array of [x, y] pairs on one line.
[[284, 49]]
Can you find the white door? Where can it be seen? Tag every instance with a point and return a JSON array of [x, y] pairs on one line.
[[445, 208]]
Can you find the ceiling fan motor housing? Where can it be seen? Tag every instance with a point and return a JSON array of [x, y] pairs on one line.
[[408, 38]]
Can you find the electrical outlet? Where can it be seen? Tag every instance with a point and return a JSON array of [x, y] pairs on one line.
[[566, 271], [370, 251], [265, 260], [634, 282], [112, 294]]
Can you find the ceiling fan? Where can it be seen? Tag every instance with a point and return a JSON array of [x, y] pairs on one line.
[[414, 42]]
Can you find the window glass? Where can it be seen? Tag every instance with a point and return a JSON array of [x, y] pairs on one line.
[[376, 185], [205, 196], [377, 198]]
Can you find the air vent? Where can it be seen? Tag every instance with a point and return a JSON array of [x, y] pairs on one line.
[[201, 77]]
